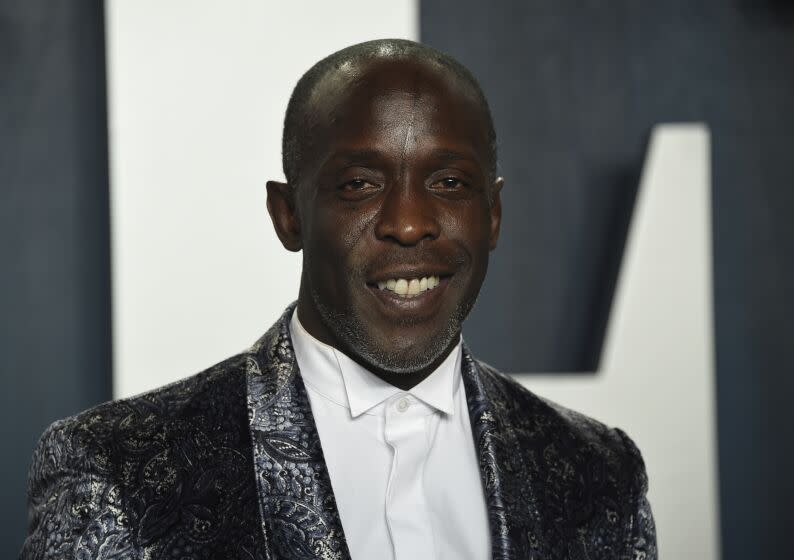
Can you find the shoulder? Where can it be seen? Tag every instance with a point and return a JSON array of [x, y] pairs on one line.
[[588, 478], [127, 463], [112, 440], [94, 439], [535, 416], [209, 392], [565, 452]]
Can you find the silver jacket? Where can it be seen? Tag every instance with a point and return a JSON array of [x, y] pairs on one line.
[[227, 464]]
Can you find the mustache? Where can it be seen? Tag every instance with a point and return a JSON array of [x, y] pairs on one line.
[[414, 256]]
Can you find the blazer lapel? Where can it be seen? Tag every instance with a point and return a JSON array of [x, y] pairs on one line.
[[299, 517], [506, 478]]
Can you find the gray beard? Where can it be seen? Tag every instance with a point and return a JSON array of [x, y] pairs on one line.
[[348, 329]]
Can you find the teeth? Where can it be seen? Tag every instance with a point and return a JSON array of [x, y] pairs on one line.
[[401, 287], [409, 287]]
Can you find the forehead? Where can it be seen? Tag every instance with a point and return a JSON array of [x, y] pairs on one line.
[[386, 102]]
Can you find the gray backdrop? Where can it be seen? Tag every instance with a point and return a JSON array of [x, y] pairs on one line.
[[54, 238], [575, 86]]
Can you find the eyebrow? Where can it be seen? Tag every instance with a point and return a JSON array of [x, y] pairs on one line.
[[353, 156], [444, 154]]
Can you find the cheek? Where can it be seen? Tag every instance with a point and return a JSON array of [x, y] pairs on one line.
[[338, 239], [469, 226]]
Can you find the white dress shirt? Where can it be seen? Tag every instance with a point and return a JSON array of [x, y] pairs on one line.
[[402, 463]]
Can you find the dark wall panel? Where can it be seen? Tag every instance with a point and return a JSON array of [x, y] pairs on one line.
[[575, 87], [54, 234]]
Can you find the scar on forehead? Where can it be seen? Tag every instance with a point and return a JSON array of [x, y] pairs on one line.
[[415, 96]]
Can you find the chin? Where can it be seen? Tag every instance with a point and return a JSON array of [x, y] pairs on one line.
[[392, 345], [390, 352], [400, 360]]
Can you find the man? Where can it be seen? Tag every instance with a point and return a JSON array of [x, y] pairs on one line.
[[358, 425]]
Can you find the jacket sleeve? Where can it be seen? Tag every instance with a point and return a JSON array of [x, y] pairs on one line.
[[640, 539], [73, 508]]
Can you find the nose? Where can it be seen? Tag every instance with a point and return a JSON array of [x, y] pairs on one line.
[[407, 215]]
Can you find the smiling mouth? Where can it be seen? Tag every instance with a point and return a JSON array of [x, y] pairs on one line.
[[409, 287], [417, 296]]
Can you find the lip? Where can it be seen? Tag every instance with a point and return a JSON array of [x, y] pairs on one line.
[[423, 304]]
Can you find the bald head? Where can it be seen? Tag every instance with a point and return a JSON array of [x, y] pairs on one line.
[[318, 91]]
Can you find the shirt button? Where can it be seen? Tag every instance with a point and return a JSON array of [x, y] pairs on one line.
[[403, 404]]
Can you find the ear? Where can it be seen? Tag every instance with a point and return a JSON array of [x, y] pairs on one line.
[[496, 212], [281, 207]]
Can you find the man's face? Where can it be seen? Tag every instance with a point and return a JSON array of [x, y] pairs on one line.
[[395, 219]]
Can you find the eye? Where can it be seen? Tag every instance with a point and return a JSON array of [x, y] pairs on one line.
[[356, 185], [449, 184], [357, 189]]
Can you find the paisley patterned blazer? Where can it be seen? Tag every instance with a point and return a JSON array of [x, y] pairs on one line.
[[228, 465]]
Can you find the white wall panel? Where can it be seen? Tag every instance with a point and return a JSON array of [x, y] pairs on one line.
[[197, 93], [656, 379]]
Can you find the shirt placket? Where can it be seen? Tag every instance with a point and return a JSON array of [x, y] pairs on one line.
[[406, 505]]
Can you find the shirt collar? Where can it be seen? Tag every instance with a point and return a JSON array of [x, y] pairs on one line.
[[339, 378]]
